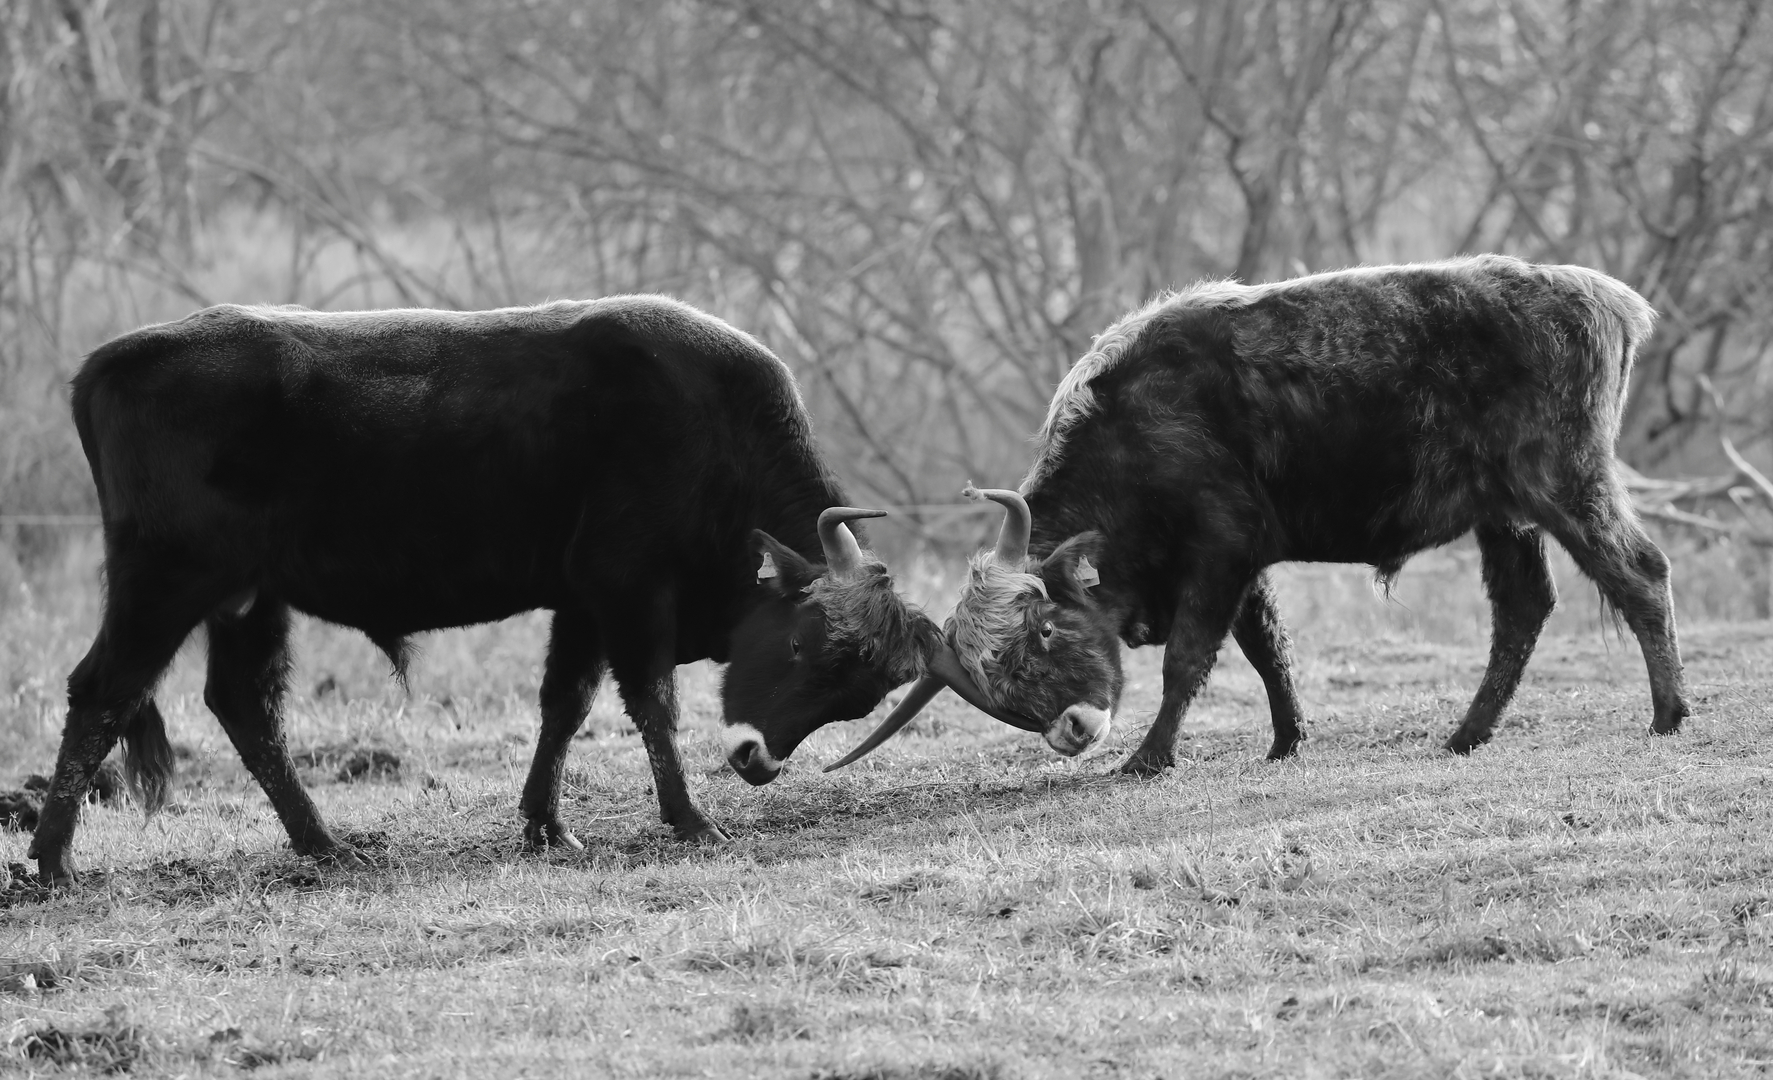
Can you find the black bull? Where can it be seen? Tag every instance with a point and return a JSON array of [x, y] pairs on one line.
[[624, 463], [1358, 416]]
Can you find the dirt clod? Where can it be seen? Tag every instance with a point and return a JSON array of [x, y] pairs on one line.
[[352, 763], [914, 882], [26, 976], [112, 1046], [236, 1048], [18, 810], [18, 885], [107, 784], [370, 765], [753, 1021]]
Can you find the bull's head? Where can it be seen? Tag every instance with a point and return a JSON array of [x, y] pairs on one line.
[[826, 643], [1026, 643]]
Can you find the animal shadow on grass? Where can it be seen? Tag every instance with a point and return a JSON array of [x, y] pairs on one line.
[[793, 825], [840, 807]]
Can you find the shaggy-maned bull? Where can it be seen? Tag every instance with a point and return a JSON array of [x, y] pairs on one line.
[[631, 464], [1358, 416]]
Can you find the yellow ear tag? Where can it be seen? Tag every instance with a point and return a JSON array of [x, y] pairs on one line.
[[1086, 574], [768, 569]]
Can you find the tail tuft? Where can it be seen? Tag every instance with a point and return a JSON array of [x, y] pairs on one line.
[[147, 757]]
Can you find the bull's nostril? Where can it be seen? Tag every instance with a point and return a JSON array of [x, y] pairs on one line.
[[749, 754], [1080, 726]]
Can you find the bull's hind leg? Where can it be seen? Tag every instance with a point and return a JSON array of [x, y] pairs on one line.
[[644, 661], [1603, 536], [248, 671], [569, 681], [149, 611], [1263, 637], [1522, 596], [1204, 616]]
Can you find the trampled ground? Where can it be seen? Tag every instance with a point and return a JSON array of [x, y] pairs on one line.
[[1577, 899]]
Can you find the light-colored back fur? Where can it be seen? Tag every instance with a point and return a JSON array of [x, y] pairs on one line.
[[1620, 323]]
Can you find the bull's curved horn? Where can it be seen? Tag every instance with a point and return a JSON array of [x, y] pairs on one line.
[[912, 704], [842, 554], [946, 665], [945, 670], [1012, 539]]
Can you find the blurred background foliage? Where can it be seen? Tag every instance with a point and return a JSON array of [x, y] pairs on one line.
[[926, 207]]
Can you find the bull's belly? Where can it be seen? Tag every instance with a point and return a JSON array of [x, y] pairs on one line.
[[384, 611], [1384, 538], [402, 590]]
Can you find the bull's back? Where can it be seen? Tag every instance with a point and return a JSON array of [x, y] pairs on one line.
[[1368, 415], [394, 471]]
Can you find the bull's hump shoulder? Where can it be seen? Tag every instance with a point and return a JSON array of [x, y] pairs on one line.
[[665, 325], [667, 317], [1076, 397]]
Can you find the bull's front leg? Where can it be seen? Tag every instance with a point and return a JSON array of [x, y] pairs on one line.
[[645, 667], [1203, 619]]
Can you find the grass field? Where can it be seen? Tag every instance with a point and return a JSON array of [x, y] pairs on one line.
[[1577, 899]]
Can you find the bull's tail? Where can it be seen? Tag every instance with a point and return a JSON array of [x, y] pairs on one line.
[[147, 757]]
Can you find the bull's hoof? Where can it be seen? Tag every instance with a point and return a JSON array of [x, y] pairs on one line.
[[539, 836], [342, 857], [55, 869], [1285, 746], [701, 833], [1147, 765], [57, 873], [1463, 742], [1670, 724]]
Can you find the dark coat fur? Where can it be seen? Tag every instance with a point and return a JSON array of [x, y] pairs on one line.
[[1360, 416], [404, 471]]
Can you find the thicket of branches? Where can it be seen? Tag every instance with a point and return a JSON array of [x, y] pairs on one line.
[[926, 206]]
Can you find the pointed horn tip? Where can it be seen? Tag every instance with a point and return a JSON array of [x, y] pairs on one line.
[[842, 514], [903, 713], [1002, 496]]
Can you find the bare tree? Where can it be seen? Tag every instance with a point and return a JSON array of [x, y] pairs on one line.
[[927, 206]]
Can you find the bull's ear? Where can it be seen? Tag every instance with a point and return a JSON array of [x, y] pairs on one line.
[[1071, 568], [779, 567]]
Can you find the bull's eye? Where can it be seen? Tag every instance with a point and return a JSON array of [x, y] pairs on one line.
[[794, 645], [1046, 630]]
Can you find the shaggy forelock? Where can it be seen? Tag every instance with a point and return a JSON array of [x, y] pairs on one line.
[[863, 611], [989, 623]]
